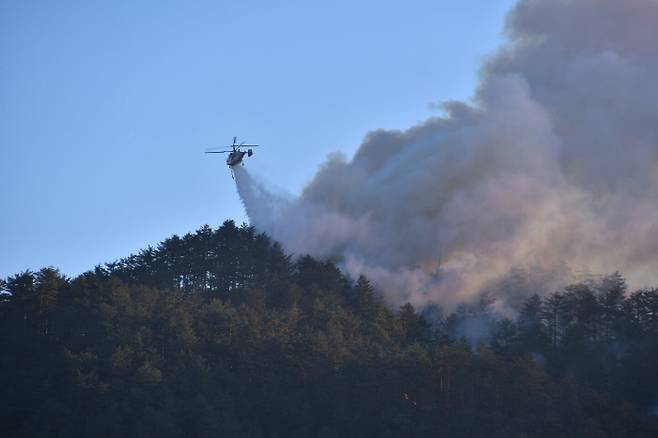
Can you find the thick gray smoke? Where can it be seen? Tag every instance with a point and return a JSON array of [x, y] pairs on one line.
[[550, 172]]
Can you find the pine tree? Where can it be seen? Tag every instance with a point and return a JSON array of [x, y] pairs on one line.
[[532, 326], [611, 299]]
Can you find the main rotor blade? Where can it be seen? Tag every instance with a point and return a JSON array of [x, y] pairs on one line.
[[220, 147], [217, 152]]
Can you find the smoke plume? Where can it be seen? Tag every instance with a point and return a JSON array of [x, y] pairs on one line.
[[549, 172]]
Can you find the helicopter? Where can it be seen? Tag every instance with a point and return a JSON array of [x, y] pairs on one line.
[[235, 155]]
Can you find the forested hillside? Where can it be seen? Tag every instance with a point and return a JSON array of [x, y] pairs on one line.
[[220, 333]]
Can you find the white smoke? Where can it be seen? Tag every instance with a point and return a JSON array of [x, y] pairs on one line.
[[551, 169]]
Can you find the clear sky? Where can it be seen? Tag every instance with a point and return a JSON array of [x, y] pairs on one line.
[[106, 107]]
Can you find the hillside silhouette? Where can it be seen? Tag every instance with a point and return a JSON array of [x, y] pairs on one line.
[[221, 333]]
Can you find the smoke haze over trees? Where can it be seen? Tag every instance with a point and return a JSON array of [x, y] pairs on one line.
[[220, 332], [550, 170]]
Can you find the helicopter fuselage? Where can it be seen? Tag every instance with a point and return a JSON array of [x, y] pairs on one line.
[[235, 158]]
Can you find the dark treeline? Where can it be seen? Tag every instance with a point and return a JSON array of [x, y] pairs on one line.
[[220, 333]]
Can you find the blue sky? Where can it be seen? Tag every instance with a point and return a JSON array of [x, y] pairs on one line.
[[106, 107]]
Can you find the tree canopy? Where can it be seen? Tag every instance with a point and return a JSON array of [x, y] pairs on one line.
[[220, 333]]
